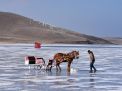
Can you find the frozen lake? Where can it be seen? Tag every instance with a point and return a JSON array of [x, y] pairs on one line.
[[15, 76]]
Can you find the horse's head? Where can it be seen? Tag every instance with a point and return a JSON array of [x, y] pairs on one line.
[[75, 54]]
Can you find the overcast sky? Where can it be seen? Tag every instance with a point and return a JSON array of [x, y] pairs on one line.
[[93, 17]]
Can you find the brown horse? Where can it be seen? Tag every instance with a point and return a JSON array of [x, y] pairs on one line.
[[62, 57]]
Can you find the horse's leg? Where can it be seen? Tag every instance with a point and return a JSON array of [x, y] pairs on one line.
[[59, 66], [68, 66], [56, 67], [50, 68]]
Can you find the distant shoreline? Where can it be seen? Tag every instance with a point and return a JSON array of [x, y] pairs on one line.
[[56, 43]]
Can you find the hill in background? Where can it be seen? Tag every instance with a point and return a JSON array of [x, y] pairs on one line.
[[114, 40], [19, 29]]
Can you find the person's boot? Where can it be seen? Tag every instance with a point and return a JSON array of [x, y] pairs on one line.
[[90, 71], [95, 70]]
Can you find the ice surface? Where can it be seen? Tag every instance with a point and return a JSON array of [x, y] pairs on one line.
[[15, 76]]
